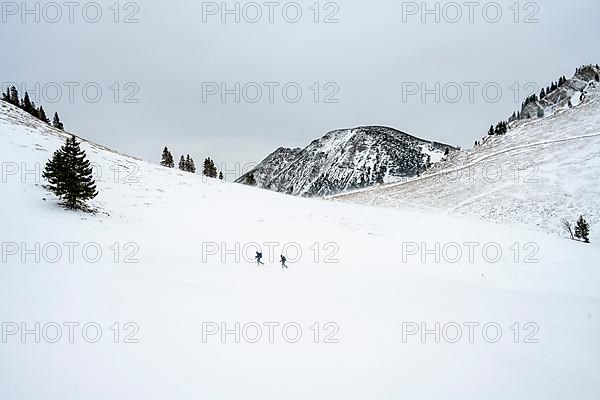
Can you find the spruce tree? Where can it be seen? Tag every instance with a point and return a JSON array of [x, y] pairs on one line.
[[206, 168], [14, 97], [182, 164], [221, 175], [164, 159], [34, 111], [190, 166], [582, 229], [42, 115], [69, 175], [56, 122], [491, 131], [27, 106], [167, 159], [250, 180]]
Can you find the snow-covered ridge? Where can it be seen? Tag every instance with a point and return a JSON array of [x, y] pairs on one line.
[[542, 170], [347, 159], [568, 94]]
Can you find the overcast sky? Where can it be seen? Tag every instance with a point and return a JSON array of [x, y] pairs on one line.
[[356, 63]]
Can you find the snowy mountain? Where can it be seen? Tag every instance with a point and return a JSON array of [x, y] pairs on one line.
[[558, 98], [136, 288], [347, 159], [273, 165], [542, 170]]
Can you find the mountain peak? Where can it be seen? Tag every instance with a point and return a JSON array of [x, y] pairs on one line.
[[346, 159]]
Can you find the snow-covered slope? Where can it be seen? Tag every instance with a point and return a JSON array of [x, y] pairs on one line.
[[347, 159], [559, 98], [541, 171], [171, 222]]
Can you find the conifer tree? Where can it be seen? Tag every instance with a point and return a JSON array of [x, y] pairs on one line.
[[250, 180], [6, 96], [209, 169], [69, 175], [42, 115], [167, 159], [597, 77], [206, 167], [182, 164], [190, 166], [27, 106], [221, 175], [56, 122], [34, 111], [14, 96], [582, 229], [491, 131], [501, 128]]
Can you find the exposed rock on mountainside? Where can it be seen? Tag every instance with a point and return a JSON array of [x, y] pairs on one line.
[[347, 159], [566, 92]]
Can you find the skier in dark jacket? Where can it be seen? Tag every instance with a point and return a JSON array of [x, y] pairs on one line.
[[283, 260], [258, 258]]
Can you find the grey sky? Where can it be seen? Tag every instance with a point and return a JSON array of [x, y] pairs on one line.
[[371, 55]]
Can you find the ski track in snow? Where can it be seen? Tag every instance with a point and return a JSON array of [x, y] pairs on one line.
[[558, 157]]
